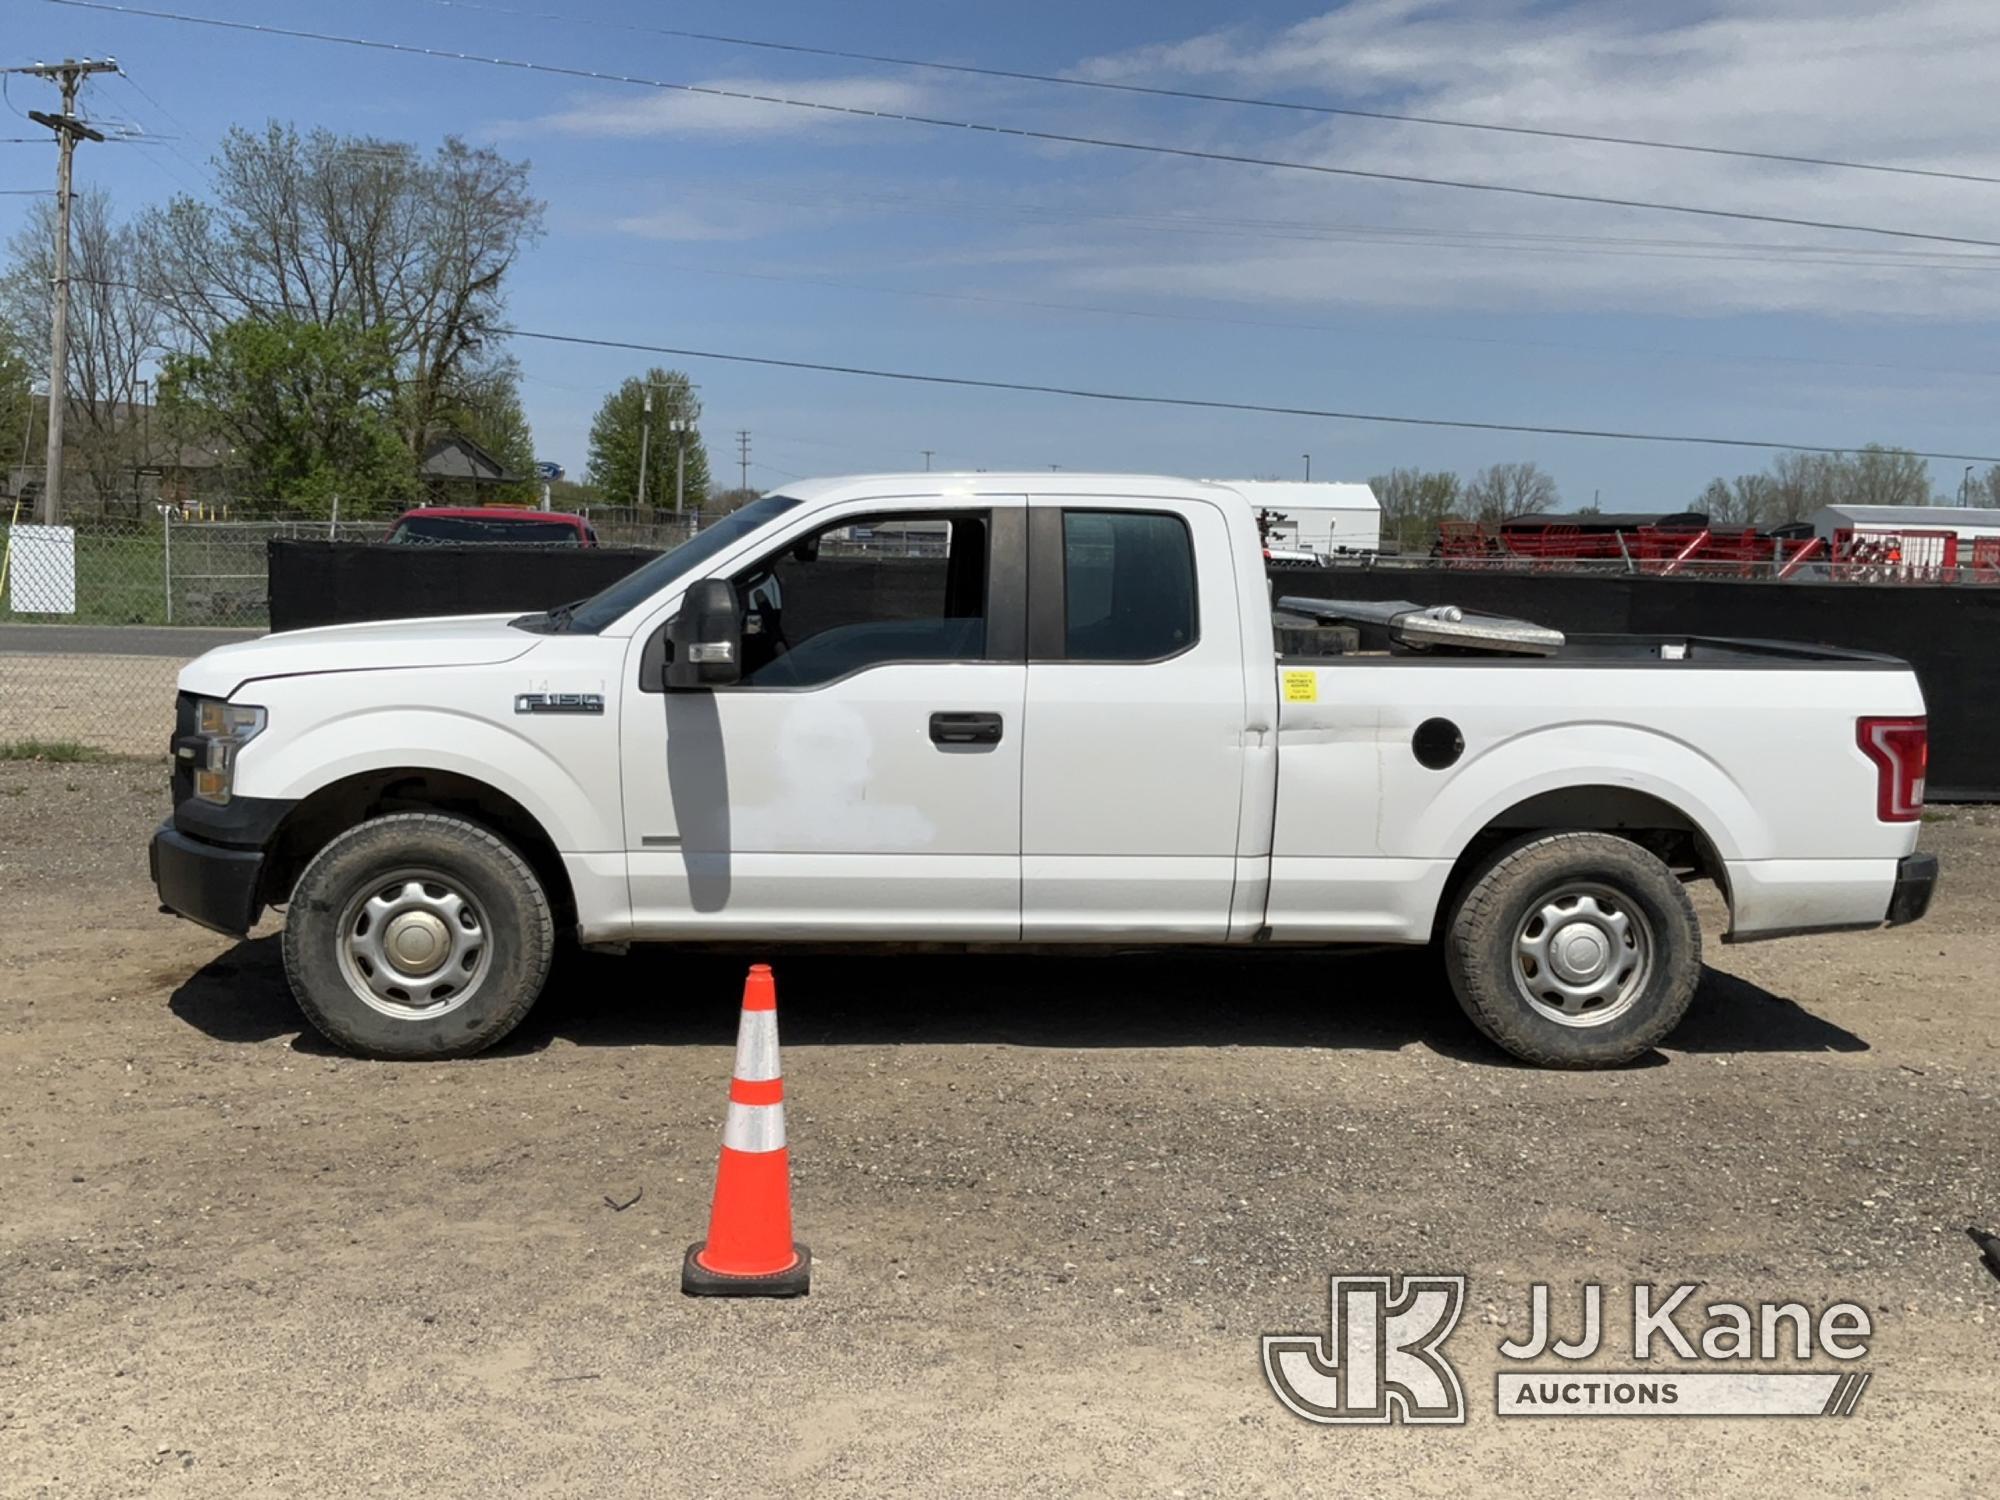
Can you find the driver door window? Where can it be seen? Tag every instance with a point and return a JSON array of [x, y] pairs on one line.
[[903, 587]]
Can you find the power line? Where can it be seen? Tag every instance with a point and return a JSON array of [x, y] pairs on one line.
[[1019, 132], [1204, 404], [173, 118], [1084, 393], [1202, 96], [1290, 324], [1317, 231]]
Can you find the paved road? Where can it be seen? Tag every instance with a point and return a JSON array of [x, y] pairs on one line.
[[117, 640]]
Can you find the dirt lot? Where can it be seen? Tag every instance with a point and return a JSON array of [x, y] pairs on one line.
[[120, 703], [1052, 1206]]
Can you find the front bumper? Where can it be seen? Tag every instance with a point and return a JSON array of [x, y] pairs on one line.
[[1916, 880], [206, 883]]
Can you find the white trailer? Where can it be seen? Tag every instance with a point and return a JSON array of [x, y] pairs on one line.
[[1327, 518], [1865, 520]]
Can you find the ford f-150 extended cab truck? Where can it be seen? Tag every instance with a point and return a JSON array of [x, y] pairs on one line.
[[1022, 709]]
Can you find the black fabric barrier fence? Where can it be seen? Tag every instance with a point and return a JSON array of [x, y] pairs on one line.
[[343, 583], [1950, 635]]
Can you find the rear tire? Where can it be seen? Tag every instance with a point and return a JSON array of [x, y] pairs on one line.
[[1574, 950], [417, 936]]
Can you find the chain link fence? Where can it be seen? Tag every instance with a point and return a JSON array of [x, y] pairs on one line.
[[97, 616]]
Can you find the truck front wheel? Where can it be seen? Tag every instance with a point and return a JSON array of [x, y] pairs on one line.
[[417, 936], [1575, 950]]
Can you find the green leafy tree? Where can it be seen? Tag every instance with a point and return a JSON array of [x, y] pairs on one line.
[[17, 395], [490, 413], [307, 408], [321, 228], [617, 435]]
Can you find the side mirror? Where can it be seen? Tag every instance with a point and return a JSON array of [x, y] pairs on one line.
[[806, 549], [705, 640]]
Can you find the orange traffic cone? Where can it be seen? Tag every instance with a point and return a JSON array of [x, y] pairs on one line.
[[749, 1250]]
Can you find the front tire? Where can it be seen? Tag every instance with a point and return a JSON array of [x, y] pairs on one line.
[[417, 935], [1574, 950]]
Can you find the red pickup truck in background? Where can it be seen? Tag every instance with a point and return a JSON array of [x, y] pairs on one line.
[[492, 523]]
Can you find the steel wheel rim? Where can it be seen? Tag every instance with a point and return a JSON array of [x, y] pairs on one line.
[[414, 944], [1582, 954]]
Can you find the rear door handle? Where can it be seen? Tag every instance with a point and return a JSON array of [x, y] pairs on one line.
[[965, 729]]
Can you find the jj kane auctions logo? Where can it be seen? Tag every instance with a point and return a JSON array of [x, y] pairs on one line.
[[1383, 1358]]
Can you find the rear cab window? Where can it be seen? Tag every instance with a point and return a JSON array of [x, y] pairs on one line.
[[1128, 586]]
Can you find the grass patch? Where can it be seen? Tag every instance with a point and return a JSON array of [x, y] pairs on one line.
[[58, 752], [121, 578]]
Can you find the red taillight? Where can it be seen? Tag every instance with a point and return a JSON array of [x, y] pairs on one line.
[[1900, 749]]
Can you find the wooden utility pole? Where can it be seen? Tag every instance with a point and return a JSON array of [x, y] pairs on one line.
[[645, 444], [743, 456], [69, 75]]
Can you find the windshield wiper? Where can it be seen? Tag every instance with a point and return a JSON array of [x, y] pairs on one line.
[[549, 621]]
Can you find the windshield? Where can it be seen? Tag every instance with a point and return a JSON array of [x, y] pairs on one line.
[[600, 609], [485, 529]]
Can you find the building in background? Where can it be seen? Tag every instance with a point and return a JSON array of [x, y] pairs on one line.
[[1330, 519], [1964, 522]]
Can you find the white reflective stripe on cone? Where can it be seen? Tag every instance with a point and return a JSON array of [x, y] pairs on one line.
[[754, 1127], [757, 1046]]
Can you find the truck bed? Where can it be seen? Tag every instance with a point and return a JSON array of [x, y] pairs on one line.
[[1615, 651], [1325, 630]]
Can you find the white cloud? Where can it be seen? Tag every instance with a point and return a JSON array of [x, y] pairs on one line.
[[1906, 84], [697, 222], [678, 113]]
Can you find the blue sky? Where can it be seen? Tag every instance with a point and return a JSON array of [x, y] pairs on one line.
[[732, 226]]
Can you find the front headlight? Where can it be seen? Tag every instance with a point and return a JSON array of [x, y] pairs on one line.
[[227, 727]]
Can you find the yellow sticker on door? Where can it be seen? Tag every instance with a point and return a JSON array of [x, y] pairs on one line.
[[1300, 687]]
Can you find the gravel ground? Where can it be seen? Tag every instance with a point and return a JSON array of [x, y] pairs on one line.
[[121, 704], [1052, 1206]]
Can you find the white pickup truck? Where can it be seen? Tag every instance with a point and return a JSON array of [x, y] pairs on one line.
[[1021, 709]]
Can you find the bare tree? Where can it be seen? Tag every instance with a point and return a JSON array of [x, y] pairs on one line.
[[1413, 502], [1718, 503], [1888, 476], [1503, 491], [322, 227], [115, 328], [1799, 484]]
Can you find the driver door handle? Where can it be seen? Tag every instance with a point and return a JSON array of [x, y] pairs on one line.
[[965, 729]]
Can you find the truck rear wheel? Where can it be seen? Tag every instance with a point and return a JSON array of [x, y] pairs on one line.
[[417, 936], [1575, 950]]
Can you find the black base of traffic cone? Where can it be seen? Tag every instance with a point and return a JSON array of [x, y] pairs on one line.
[[698, 1281]]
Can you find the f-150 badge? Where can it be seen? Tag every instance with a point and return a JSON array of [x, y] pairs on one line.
[[559, 703]]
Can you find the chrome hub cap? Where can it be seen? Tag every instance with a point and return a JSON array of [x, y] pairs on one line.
[[1582, 955], [413, 945], [417, 941]]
